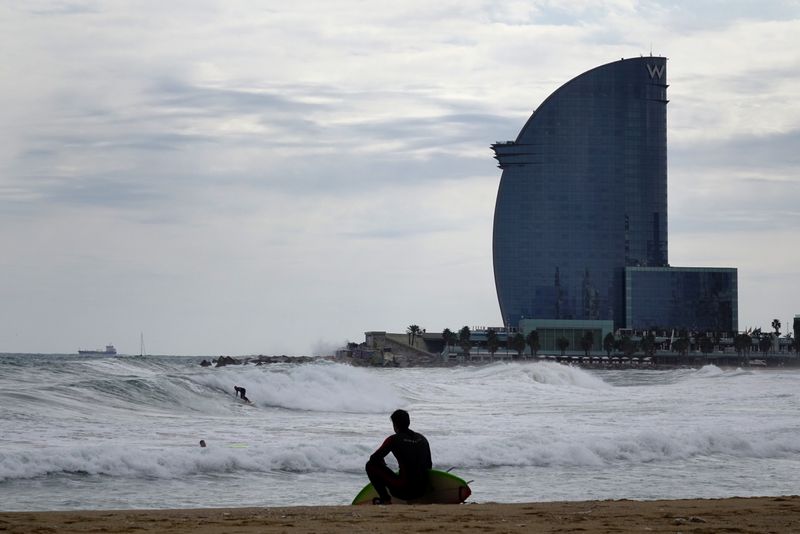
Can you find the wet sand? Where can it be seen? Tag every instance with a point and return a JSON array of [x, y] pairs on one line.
[[756, 514]]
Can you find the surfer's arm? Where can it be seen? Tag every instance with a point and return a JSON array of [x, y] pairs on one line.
[[383, 450], [428, 461]]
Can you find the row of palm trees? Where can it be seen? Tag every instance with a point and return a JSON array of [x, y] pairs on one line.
[[627, 345], [743, 343], [517, 342]]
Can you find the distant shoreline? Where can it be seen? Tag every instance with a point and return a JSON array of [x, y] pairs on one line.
[[660, 361], [779, 515]]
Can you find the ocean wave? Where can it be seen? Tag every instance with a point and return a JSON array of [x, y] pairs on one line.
[[556, 374], [322, 386], [636, 448], [117, 460], [349, 456], [708, 371], [140, 384], [532, 373]]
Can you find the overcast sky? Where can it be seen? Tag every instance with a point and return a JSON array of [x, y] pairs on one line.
[[264, 177]]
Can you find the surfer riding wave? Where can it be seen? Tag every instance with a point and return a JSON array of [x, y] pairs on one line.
[[240, 392]]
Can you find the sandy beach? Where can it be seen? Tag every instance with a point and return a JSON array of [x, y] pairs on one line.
[[756, 514]]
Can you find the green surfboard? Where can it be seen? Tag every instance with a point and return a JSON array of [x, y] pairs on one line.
[[444, 488]]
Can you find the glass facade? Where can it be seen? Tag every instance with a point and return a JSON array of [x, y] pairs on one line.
[[573, 331], [696, 299], [583, 195]]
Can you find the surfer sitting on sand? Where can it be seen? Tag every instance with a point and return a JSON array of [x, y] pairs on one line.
[[241, 393], [413, 457]]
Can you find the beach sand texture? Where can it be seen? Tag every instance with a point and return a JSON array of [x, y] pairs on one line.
[[756, 515]]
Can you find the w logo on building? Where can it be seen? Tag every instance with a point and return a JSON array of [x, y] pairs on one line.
[[656, 70]]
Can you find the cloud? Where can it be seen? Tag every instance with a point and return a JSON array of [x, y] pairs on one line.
[[736, 184], [770, 153], [59, 8], [238, 177], [182, 136], [705, 15]]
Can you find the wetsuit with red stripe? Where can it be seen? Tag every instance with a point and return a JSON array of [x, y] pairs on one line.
[[414, 459]]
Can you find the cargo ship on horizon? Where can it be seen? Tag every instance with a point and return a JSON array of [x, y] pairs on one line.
[[109, 351]]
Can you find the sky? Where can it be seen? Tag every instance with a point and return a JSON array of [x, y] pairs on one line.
[[263, 177]]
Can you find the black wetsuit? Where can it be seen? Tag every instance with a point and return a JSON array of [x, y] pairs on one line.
[[414, 459], [241, 392]]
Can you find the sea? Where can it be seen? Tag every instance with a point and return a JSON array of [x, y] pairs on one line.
[[80, 432]]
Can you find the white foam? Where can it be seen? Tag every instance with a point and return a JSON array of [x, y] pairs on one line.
[[606, 450], [540, 372], [709, 371], [317, 387], [117, 460], [556, 374], [522, 430]]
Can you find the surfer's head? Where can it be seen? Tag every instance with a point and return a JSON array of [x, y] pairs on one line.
[[202, 443], [400, 420]]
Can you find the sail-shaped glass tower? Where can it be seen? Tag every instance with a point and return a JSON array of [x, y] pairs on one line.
[[583, 196]]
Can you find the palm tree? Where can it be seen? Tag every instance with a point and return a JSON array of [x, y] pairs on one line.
[[562, 343], [608, 343], [742, 343], [412, 332], [492, 342], [796, 328], [587, 342], [628, 346], [464, 340], [449, 337], [765, 343], [648, 344], [716, 340], [681, 345], [518, 344], [776, 325], [533, 342], [706, 345]]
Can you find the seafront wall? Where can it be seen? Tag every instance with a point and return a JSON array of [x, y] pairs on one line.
[[660, 359], [382, 348], [386, 351], [595, 360]]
